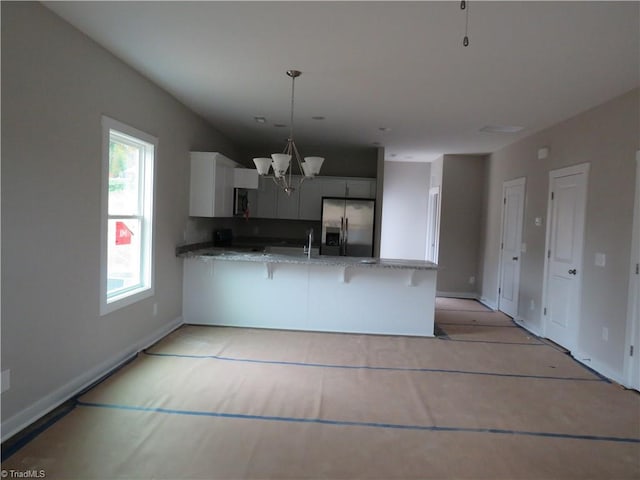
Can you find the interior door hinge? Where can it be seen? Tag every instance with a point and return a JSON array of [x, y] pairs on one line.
[[548, 253], [552, 195], [544, 311], [501, 246], [637, 268], [499, 291], [505, 200], [631, 350]]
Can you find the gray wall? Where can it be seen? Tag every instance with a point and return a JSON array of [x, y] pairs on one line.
[[56, 84], [338, 162], [461, 220], [404, 212], [606, 137]]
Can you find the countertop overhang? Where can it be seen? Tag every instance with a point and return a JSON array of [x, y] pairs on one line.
[[229, 254]]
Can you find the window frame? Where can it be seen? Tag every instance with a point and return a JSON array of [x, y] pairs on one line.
[[146, 287]]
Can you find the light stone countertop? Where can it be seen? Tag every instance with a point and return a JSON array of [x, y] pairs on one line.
[[322, 260]]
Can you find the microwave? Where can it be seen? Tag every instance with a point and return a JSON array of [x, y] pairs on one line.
[[241, 202]]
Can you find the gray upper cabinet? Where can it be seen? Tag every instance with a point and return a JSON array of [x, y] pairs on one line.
[[305, 203], [287, 205], [361, 188], [266, 199]]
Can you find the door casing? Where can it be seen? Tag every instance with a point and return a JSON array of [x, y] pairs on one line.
[[563, 172], [433, 225], [632, 362], [518, 182]]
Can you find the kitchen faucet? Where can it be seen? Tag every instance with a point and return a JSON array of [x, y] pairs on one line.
[[308, 246]]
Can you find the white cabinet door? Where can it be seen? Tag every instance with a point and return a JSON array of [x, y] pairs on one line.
[[245, 178], [225, 206], [211, 185], [361, 188], [311, 200], [201, 188], [266, 199], [334, 187], [287, 205], [305, 203], [219, 189]]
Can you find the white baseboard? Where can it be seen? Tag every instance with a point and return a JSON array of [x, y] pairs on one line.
[[488, 303], [38, 409], [599, 367], [527, 326]]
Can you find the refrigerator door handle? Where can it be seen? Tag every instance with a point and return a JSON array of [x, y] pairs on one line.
[[346, 234], [341, 249]]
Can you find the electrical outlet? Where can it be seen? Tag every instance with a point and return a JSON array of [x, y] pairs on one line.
[[155, 309], [532, 305], [472, 280], [6, 380], [605, 334]]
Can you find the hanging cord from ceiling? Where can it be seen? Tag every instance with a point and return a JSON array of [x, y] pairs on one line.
[[464, 5]]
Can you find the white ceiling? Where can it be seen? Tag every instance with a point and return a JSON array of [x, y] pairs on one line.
[[368, 65]]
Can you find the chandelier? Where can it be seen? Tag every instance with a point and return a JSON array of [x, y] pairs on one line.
[[280, 162]]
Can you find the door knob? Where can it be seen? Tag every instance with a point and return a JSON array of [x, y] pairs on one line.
[[515, 258], [573, 271]]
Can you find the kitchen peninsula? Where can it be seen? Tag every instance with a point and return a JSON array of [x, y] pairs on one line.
[[321, 293]]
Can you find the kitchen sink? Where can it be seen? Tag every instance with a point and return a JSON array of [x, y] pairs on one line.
[[292, 251]]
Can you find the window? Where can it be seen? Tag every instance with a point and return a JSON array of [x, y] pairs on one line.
[[128, 159]]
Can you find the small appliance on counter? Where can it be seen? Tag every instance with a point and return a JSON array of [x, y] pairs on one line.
[[347, 227], [223, 237], [241, 202]]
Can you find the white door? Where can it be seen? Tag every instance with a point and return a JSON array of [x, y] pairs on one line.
[[565, 238], [433, 225], [634, 349], [510, 246], [632, 345]]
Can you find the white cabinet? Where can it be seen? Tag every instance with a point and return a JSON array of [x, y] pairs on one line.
[[311, 194], [211, 186], [361, 188], [266, 199], [310, 200], [305, 203], [287, 205], [245, 178]]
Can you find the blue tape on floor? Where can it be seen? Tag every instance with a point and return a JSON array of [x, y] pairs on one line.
[[431, 428], [367, 367], [14, 446]]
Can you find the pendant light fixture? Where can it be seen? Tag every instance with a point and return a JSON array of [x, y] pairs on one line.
[[281, 162]]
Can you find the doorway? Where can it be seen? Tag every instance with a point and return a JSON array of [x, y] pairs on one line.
[[632, 347], [513, 193], [564, 245], [433, 225]]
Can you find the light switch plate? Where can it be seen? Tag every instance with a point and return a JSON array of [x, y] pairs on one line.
[[601, 260]]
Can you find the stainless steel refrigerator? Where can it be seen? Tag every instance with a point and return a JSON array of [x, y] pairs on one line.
[[347, 227]]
